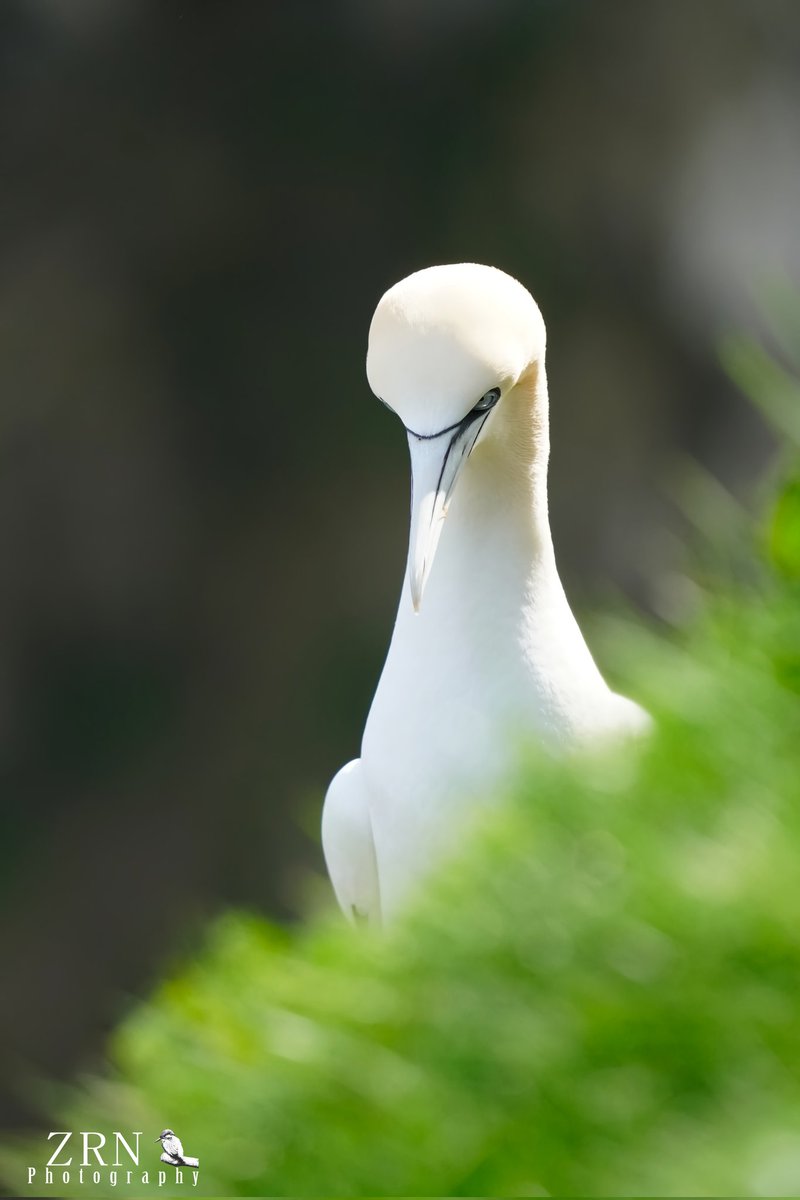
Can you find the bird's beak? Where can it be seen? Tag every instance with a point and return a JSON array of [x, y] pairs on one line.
[[436, 464]]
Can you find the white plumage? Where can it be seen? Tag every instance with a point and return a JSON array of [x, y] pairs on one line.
[[485, 651], [172, 1150]]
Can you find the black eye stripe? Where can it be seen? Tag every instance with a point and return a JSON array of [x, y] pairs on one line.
[[481, 409], [430, 437], [477, 433]]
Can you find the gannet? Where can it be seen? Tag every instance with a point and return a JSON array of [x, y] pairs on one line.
[[485, 651]]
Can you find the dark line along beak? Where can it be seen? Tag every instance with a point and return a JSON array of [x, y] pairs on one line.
[[436, 462]]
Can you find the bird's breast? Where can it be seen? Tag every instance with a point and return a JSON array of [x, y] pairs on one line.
[[494, 657], [440, 734]]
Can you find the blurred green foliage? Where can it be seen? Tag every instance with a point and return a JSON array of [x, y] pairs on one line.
[[784, 530], [599, 995]]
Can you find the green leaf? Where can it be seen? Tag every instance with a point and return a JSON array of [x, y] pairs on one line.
[[784, 530]]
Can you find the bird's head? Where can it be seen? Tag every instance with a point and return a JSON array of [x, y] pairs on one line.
[[448, 349], [165, 1133]]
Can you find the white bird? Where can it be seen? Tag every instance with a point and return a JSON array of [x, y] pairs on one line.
[[172, 1150], [494, 655]]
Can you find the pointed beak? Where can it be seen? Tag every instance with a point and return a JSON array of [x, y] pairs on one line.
[[436, 464]]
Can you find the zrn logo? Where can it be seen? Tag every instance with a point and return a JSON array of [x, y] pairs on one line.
[[62, 1168]]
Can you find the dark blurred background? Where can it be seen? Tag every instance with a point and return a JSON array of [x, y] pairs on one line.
[[202, 509]]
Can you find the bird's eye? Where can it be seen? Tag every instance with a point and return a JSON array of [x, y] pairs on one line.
[[488, 401]]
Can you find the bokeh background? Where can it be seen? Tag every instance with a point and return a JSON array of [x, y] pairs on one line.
[[203, 511]]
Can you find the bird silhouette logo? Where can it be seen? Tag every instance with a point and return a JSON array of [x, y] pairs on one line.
[[172, 1150]]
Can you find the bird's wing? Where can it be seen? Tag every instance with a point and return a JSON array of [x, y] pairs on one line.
[[349, 846]]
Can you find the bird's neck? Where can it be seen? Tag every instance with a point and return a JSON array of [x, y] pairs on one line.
[[495, 564], [505, 480], [495, 615]]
